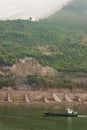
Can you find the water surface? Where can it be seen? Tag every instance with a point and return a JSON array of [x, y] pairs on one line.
[[31, 118]]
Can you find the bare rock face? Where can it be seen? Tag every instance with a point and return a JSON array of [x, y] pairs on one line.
[[67, 98], [29, 66]]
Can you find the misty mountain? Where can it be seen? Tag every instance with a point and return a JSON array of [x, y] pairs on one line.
[[74, 14], [24, 9], [59, 41]]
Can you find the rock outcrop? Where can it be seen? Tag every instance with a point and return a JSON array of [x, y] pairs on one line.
[[26, 98], [67, 98], [9, 98], [56, 98], [45, 99], [29, 66]]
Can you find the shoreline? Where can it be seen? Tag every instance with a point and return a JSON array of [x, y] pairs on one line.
[[64, 104], [44, 98]]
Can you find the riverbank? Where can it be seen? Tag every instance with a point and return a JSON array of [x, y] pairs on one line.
[[49, 97]]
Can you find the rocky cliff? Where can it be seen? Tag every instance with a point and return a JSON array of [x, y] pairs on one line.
[[29, 66]]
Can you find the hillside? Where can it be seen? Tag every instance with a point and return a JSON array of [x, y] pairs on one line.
[[59, 41]]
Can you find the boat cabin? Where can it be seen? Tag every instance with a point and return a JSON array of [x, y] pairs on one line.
[[70, 111]]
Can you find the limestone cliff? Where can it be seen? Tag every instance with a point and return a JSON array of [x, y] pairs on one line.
[[29, 66]]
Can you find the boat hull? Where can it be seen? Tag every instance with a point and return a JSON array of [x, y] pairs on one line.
[[56, 114]]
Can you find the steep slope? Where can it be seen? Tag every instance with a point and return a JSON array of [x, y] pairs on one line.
[[29, 66], [59, 41]]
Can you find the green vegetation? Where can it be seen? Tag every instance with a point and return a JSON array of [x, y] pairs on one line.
[[59, 41], [38, 82], [6, 81], [43, 82]]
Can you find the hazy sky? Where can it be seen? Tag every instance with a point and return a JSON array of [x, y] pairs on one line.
[[29, 8]]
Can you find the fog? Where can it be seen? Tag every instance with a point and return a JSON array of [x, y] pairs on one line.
[[23, 9]]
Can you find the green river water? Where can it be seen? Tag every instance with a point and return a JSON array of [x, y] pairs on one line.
[[31, 118]]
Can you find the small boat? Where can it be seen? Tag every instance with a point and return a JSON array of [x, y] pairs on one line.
[[69, 113]]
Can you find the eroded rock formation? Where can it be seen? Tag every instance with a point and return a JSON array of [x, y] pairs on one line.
[[29, 66], [67, 98], [56, 98]]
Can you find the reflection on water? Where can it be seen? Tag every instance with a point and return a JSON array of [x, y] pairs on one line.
[[69, 123], [82, 116]]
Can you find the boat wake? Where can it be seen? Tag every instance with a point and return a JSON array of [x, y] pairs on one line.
[[82, 116]]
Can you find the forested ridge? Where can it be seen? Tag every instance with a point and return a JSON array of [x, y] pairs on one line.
[[59, 41]]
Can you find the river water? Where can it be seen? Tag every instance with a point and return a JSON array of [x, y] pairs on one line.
[[31, 118]]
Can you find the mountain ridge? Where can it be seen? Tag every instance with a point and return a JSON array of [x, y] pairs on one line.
[[32, 10], [63, 35]]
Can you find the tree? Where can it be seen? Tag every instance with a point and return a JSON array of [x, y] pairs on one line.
[[30, 18]]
